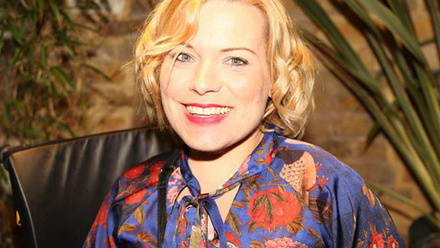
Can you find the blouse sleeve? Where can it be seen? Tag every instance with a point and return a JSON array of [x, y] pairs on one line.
[[132, 188], [100, 235], [359, 219]]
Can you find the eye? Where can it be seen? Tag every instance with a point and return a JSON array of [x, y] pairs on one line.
[[237, 62], [183, 57]]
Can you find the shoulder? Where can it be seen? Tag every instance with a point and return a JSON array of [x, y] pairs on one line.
[[321, 167], [325, 175], [141, 177], [148, 169], [323, 160], [336, 195]]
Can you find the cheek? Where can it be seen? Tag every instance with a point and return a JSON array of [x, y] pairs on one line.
[[167, 83], [164, 78], [252, 90], [173, 80]]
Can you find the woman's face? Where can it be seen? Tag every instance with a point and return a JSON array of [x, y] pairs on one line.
[[215, 93]]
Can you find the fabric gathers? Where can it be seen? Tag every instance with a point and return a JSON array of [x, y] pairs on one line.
[[193, 211], [291, 195]]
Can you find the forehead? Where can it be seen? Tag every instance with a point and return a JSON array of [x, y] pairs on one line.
[[232, 23]]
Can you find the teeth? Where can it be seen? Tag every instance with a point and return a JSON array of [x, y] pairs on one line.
[[207, 111]]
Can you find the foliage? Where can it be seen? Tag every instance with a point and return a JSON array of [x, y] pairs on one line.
[[43, 55], [410, 117]]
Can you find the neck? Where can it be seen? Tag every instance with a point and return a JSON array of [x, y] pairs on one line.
[[212, 169]]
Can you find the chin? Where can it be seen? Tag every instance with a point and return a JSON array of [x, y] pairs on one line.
[[209, 146]]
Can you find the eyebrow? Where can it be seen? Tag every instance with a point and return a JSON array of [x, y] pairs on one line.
[[225, 49], [237, 48]]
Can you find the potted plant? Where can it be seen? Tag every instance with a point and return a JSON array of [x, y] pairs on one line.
[[410, 118]]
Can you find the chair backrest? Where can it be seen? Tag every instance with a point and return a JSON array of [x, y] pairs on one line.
[[58, 186]]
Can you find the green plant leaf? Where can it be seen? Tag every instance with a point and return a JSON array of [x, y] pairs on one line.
[[406, 67], [413, 130], [15, 31], [98, 71], [433, 14], [43, 35], [410, 113], [426, 42], [5, 118], [31, 133], [372, 133], [393, 23], [3, 173], [361, 13], [48, 120], [28, 77], [376, 128], [2, 34], [55, 10], [430, 95], [43, 57], [46, 96], [318, 15], [364, 80], [413, 162], [25, 5], [62, 77], [343, 51], [69, 51], [40, 8], [54, 91], [17, 105], [369, 83], [81, 25], [407, 202], [67, 19], [400, 9], [3, 13], [65, 128], [15, 61]]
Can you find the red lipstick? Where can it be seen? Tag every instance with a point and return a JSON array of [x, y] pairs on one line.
[[210, 105], [204, 120]]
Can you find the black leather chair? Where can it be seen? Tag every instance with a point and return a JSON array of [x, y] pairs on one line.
[[58, 186]]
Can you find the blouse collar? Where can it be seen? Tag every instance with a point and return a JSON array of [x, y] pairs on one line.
[[254, 164]]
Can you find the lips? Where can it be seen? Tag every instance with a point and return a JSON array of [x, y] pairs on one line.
[[206, 114]]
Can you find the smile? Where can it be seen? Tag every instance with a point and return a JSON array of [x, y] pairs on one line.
[[193, 110], [206, 114]]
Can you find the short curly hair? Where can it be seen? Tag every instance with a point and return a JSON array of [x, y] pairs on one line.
[[173, 22]]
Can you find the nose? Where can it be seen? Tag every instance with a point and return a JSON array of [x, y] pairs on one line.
[[205, 79]]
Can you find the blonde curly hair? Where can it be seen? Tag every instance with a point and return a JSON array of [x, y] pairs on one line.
[[173, 22]]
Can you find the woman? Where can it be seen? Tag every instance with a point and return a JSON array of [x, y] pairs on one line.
[[234, 81]]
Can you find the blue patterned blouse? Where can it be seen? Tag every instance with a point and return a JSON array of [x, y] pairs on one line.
[[291, 194]]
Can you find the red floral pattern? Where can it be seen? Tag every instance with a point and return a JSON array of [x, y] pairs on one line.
[[267, 212], [101, 219], [376, 241], [134, 172], [269, 156], [392, 243], [136, 198], [272, 208], [233, 241], [155, 170]]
